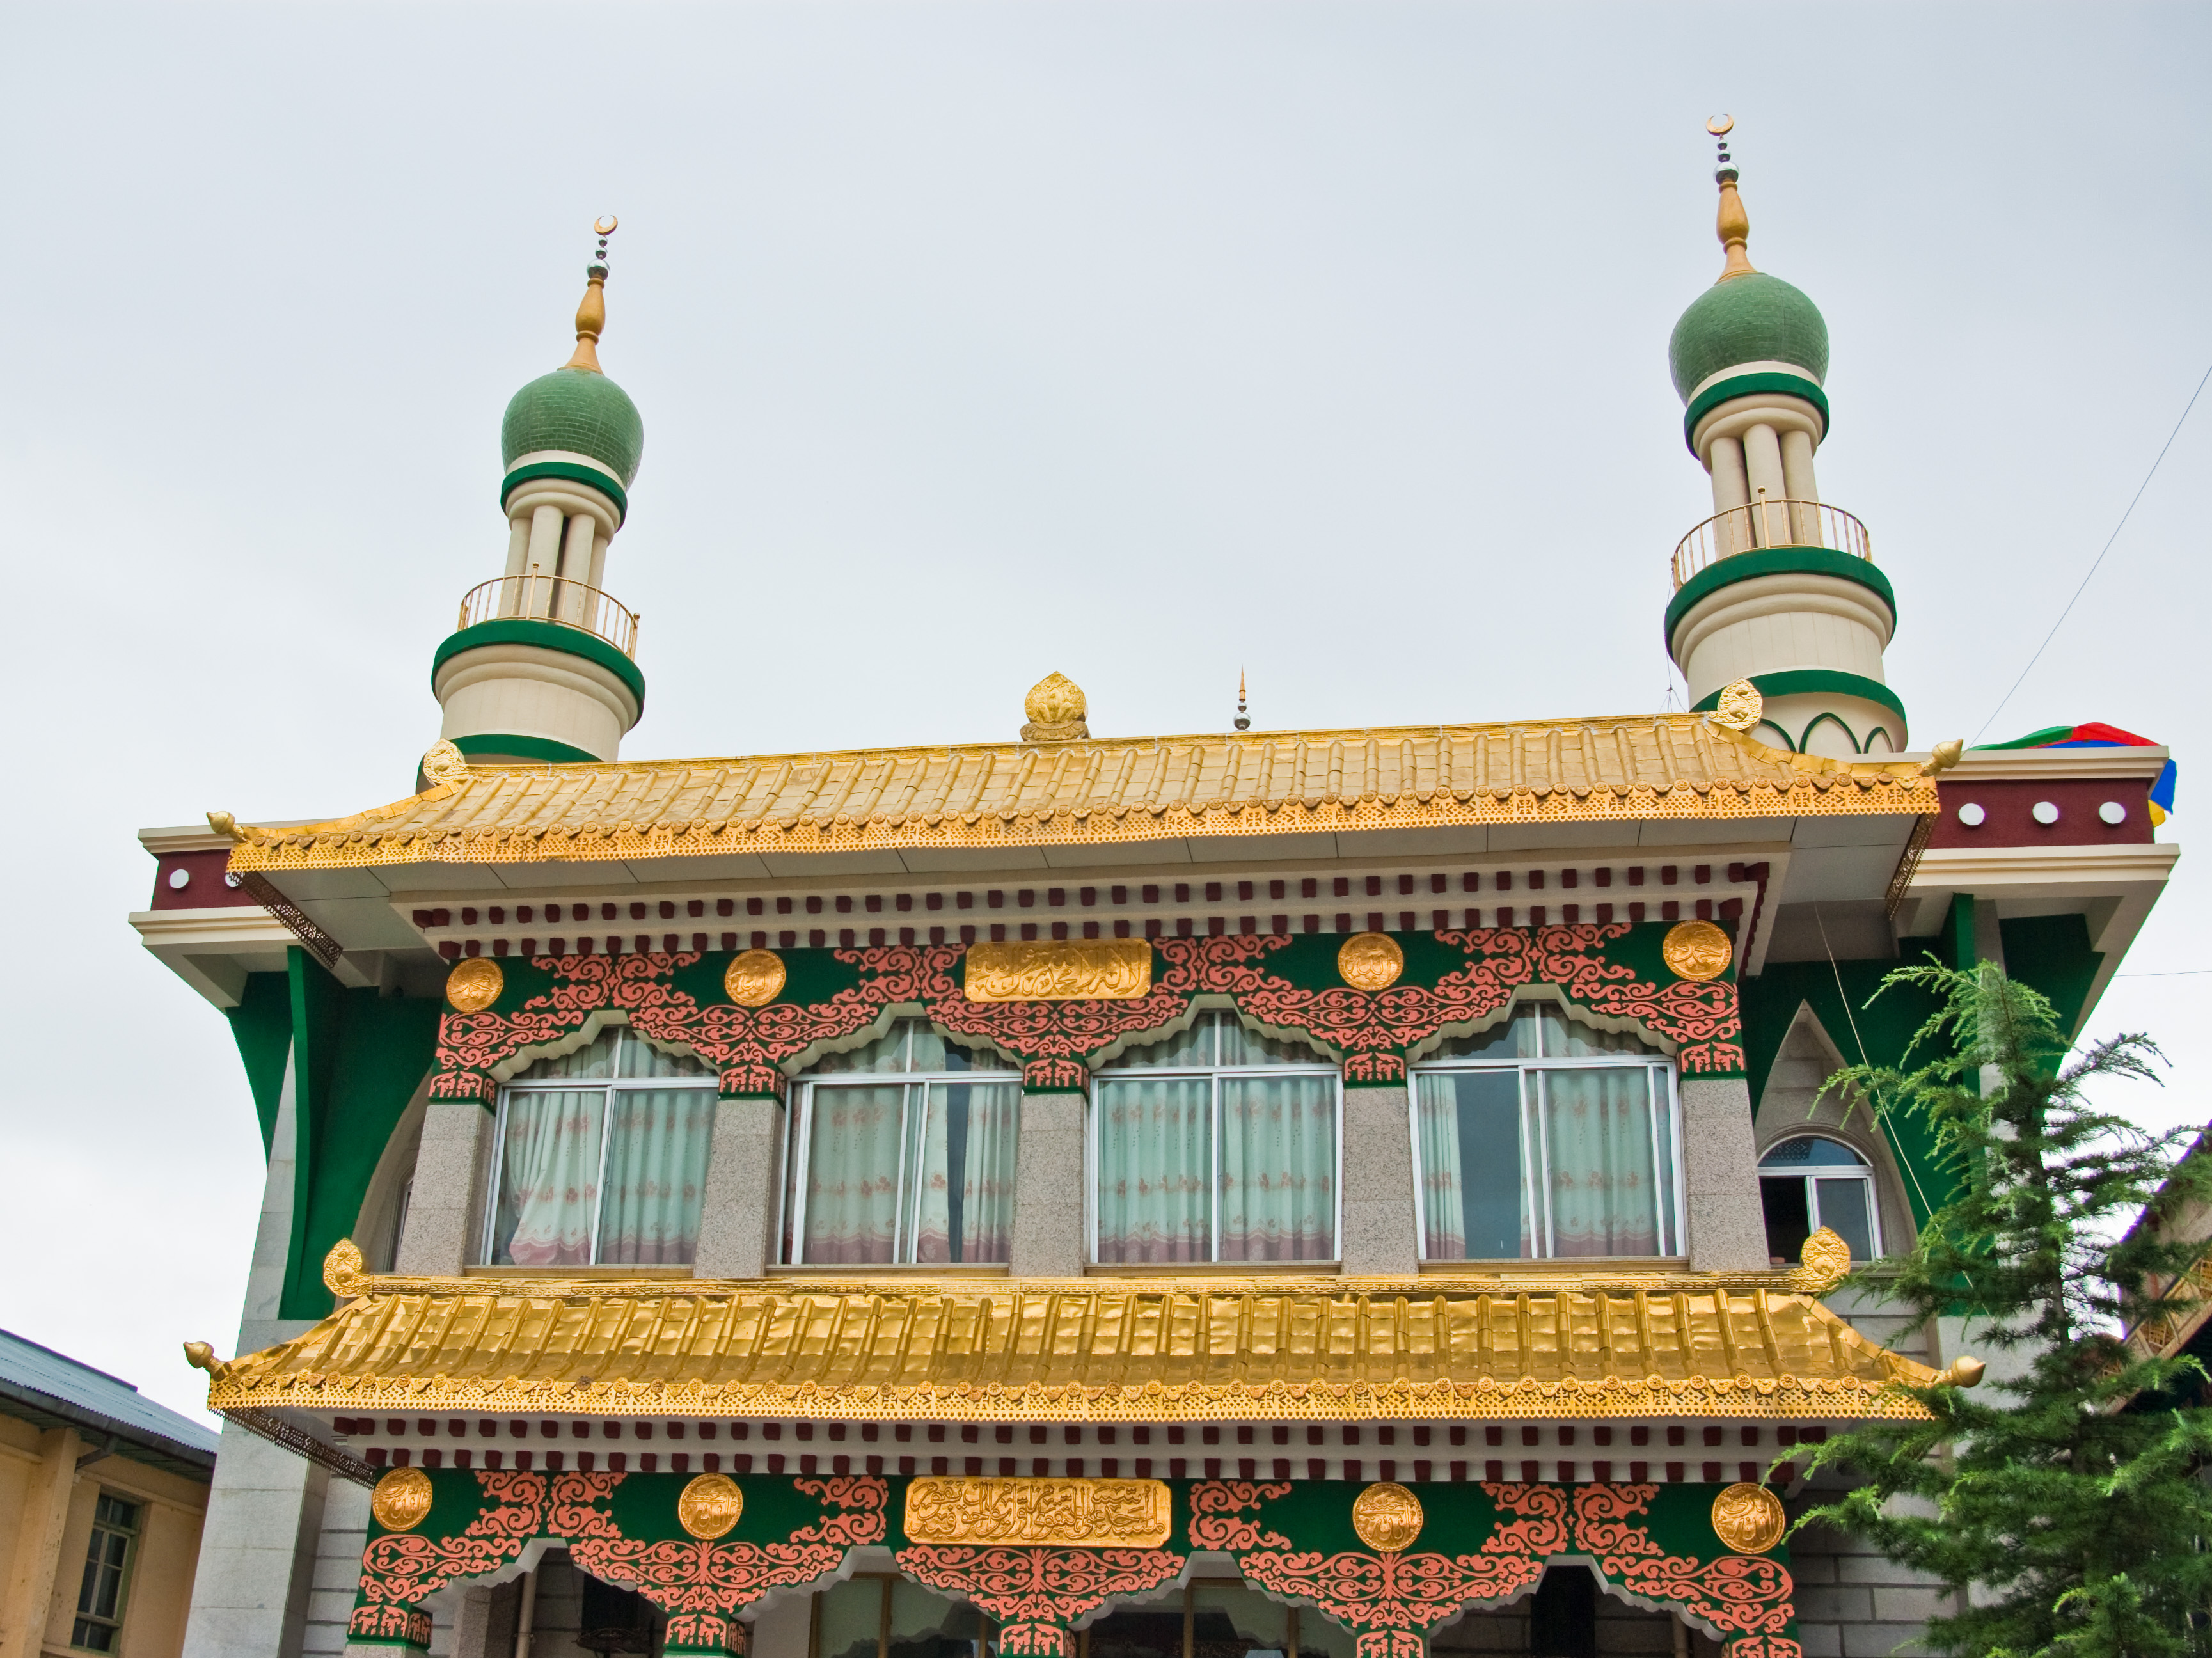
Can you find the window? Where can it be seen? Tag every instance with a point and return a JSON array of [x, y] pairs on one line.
[[1216, 1145], [601, 1158], [903, 1151], [1813, 1181], [107, 1570], [1546, 1137]]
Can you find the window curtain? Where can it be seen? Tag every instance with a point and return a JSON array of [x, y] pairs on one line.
[[1278, 1168], [968, 1155], [548, 1181], [852, 1175], [1153, 1148], [1603, 1188], [1443, 1203], [656, 1176]]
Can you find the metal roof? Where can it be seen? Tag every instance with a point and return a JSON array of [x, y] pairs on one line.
[[52, 1390]]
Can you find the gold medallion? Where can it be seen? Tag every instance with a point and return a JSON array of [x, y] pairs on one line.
[[1696, 950], [1371, 960], [1749, 1519], [474, 984], [1060, 970], [1387, 1516], [401, 1499], [710, 1505], [1825, 1257], [754, 978]]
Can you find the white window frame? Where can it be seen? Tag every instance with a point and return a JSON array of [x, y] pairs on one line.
[[913, 1141], [1535, 1151], [1860, 1169], [1320, 1068], [611, 1085]]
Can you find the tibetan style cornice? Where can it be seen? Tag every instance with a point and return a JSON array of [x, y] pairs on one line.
[[1627, 769], [1533, 1344]]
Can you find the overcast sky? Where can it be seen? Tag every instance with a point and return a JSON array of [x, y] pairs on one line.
[[1137, 341]]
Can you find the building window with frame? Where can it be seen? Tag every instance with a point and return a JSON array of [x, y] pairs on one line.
[[1217, 1144], [1808, 1182], [902, 1153], [1546, 1137], [600, 1157], [108, 1563]]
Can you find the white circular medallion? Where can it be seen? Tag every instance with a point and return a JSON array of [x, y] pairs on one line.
[[179, 879], [1973, 816], [2113, 812], [2045, 812]]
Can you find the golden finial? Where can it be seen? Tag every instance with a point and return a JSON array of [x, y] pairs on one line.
[[592, 315], [1056, 709], [1732, 224], [1243, 720]]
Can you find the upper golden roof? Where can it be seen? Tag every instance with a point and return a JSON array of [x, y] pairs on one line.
[[1531, 1343], [1092, 792]]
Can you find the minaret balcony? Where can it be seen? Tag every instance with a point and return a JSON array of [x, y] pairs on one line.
[[555, 599], [1763, 523]]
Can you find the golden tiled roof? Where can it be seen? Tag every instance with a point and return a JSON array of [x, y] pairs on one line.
[[1533, 1344], [1628, 769]]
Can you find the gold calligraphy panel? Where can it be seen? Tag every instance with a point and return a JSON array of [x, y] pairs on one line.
[[1126, 1514], [1061, 970]]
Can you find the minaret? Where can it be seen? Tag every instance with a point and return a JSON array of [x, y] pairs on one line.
[[543, 666], [1777, 587]]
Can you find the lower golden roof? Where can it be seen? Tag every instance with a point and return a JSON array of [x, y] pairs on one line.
[[1093, 1349]]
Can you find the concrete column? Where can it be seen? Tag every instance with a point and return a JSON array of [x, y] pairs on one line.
[[784, 1628], [257, 1551], [517, 551], [445, 1205], [1797, 478], [1380, 1238], [29, 1590], [1049, 1239], [544, 557], [1720, 1177], [1732, 533], [737, 1218], [266, 1508], [598, 577], [1762, 462]]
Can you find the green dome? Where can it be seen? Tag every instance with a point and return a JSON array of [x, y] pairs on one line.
[[576, 410], [1753, 318]]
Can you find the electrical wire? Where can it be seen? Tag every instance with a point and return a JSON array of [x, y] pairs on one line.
[[2099, 559]]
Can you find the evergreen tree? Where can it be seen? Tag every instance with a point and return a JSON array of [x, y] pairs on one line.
[[2066, 1507]]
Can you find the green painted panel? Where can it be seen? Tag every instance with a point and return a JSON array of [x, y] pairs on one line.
[[261, 1025]]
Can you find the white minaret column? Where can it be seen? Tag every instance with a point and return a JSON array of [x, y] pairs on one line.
[[1777, 589], [546, 674]]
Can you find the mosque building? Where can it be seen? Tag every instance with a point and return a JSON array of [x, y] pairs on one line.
[[1337, 1193]]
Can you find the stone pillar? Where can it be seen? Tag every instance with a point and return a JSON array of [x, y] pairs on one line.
[[1379, 1237], [266, 1508], [443, 1207], [1050, 1240], [1762, 461], [1797, 478], [29, 1590], [1720, 1177], [544, 551], [784, 1628], [737, 1218]]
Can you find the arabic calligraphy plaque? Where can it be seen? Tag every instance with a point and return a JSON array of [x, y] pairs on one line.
[[1061, 970], [1117, 1514]]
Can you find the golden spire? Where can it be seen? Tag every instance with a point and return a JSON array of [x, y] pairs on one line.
[[1732, 224], [591, 313]]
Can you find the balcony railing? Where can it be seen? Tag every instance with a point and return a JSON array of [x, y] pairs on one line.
[[553, 598], [1770, 523]]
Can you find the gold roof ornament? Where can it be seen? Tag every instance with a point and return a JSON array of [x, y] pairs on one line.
[[1055, 707], [591, 312], [443, 762], [1732, 224], [1740, 706]]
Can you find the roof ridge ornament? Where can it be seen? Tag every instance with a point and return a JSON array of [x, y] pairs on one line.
[[444, 764], [1732, 224], [1056, 708], [591, 312], [1740, 707]]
